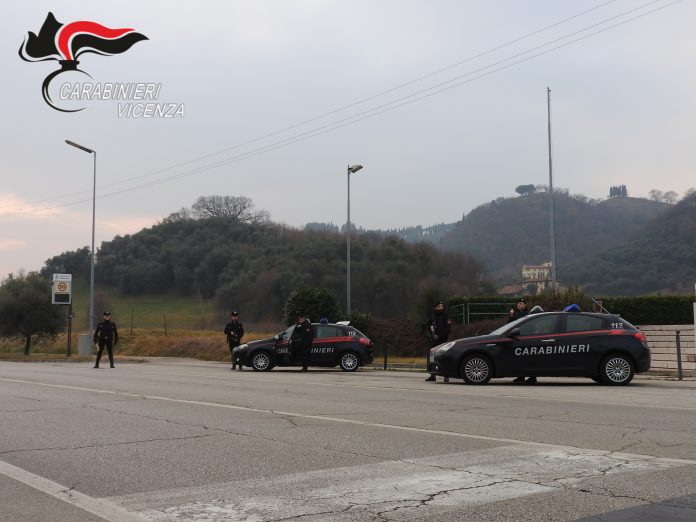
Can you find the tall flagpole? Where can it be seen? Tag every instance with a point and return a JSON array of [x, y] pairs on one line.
[[552, 232]]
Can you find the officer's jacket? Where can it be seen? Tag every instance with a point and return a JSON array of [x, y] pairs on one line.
[[235, 328], [442, 324], [518, 314], [106, 331], [302, 334]]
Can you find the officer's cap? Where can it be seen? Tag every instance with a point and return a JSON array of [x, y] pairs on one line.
[[521, 300], [235, 314], [107, 313]]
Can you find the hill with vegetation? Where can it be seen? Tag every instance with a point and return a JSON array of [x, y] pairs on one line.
[[656, 258], [510, 232], [254, 266]]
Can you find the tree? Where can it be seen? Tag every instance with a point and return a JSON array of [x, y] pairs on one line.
[[26, 309], [314, 303], [618, 191], [239, 208], [670, 197], [655, 195], [525, 189], [75, 262]]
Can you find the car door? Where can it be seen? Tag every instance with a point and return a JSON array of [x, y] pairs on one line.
[[580, 343], [282, 346], [530, 352], [324, 344]]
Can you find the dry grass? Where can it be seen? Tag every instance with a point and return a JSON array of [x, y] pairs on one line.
[[197, 344]]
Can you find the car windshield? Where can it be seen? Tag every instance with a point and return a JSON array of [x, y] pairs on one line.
[[509, 326], [287, 333]]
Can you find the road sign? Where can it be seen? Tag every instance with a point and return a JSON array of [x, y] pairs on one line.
[[61, 289]]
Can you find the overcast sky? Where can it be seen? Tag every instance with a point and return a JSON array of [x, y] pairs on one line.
[[623, 111]]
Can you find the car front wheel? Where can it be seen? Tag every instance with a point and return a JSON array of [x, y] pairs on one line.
[[616, 370], [349, 362], [476, 369], [261, 362]]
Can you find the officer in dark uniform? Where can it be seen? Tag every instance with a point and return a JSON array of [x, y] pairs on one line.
[[106, 335], [234, 330], [516, 313], [438, 330], [301, 340]]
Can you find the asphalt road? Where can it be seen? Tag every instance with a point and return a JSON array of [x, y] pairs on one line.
[[188, 440]]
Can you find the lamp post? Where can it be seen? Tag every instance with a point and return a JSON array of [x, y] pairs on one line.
[[91, 262], [351, 170]]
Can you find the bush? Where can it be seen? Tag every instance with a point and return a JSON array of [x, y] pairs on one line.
[[362, 321], [314, 303]]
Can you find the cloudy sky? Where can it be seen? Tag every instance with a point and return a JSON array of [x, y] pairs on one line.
[[442, 101]]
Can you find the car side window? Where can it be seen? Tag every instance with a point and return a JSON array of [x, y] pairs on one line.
[[324, 331], [583, 323], [539, 325]]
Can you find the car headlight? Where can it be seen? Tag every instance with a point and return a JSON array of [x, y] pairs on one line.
[[240, 348], [444, 347]]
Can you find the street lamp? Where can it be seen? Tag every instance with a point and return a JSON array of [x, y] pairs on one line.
[[351, 170], [91, 263]]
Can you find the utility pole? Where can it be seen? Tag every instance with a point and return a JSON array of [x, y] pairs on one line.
[[552, 232]]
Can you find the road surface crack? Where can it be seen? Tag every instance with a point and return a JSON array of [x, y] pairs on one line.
[[103, 445]]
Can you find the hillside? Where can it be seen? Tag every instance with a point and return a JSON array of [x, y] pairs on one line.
[[510, 232], [659, 257], [255, 267]]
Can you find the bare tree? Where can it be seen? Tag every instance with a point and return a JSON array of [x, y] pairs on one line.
[[239, 208], [180, 215], [655, 195], [670, 197]]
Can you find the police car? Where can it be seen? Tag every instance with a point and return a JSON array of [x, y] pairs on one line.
[[603, 347], [334, 344]]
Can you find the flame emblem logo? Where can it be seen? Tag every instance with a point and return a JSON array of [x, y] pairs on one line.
[[66, 42]]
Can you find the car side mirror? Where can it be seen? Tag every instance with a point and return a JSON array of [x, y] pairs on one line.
[[514, 332], [276, 337]]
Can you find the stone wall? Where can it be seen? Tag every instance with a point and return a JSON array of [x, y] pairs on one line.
[[663, 346]]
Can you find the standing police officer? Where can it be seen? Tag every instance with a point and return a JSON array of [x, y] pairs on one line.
[[234, 330], [438, 331], [301, 340], [516, 313], [106, 335]]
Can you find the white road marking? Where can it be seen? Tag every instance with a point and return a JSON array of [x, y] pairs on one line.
[[393, 489], [99, 507], [354, 422]]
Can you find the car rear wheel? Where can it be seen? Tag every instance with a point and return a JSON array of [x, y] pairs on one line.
[[616, 370], [349, 362], [261, 362], [476, 369]]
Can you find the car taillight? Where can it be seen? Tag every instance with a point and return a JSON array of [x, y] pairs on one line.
[[364, 340], [640, 336]]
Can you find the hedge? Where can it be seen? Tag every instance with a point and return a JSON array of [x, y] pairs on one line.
[[657, 309]]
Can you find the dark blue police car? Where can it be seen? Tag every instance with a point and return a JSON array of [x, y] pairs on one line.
[[603, 347], [334, 344]]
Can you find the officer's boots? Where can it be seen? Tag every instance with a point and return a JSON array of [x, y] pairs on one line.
[[99, 354]]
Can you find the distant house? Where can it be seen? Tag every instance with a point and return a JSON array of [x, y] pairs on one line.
[[535, 278]]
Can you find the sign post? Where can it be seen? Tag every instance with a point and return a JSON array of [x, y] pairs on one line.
[[61, 289], [61, 294]]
